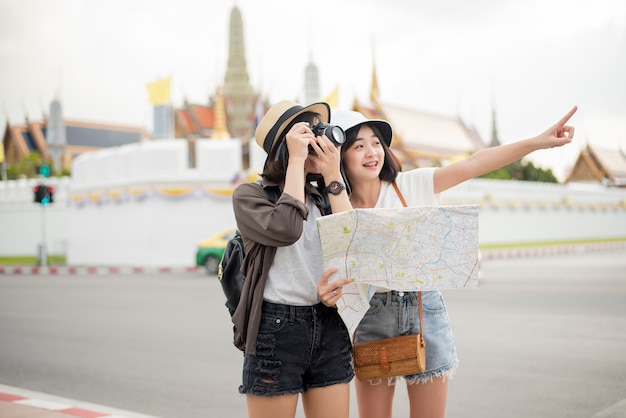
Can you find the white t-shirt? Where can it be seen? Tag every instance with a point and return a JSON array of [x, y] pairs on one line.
[[417, 187], [298, 267]]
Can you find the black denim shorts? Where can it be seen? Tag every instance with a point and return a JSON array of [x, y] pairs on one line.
[[298, 348]]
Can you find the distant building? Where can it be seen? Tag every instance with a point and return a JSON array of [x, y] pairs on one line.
[[495, 139], [236, 104], [233, 111], [421, 139], [599, 166], [62, 140], [194, 120], [239, 96], [311, 83]]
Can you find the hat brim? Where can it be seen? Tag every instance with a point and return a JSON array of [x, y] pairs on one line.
[[383, 127], [283, 114]]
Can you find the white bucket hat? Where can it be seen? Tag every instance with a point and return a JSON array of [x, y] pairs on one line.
[[349, 119]]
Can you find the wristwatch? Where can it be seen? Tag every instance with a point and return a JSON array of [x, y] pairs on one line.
[[335, 187]]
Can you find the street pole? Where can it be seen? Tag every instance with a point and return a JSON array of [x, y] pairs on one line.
[[44, 198], [44, 251]]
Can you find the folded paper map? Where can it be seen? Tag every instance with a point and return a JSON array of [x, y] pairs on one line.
[[404, 249]]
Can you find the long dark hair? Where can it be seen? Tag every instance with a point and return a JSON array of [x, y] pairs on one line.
[[391, 164]]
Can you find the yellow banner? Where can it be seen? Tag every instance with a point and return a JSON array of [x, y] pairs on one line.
[[159, 91]]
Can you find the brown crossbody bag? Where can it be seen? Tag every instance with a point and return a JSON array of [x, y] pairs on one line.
[[397, 356]]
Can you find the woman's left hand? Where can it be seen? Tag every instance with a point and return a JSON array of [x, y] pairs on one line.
[[326, 158], [330, 293]]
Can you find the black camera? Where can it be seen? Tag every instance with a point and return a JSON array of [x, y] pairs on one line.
[[333, 132]]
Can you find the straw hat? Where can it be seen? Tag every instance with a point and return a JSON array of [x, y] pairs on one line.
[[279, 116], [348, 119]]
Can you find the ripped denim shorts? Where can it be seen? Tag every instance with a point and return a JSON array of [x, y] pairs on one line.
[[394, 313], [298, 348]]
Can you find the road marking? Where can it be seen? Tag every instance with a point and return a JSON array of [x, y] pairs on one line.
[[64, 405]]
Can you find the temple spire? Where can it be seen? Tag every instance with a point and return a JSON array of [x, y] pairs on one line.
[[239, 97], [311, 82], [495, 141], [220, 130], [374, 92]]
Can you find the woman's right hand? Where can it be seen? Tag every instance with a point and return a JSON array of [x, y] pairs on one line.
[[298, 139], [329, 293]]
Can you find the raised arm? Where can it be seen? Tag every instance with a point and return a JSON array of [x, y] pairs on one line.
[[489, 159]]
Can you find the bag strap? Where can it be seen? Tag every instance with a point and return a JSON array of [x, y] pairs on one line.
[[419, 294], [399, 193]]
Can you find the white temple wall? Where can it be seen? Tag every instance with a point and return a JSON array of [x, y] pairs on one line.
[[140, 205]]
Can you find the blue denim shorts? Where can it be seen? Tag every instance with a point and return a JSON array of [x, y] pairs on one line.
[[298, 348], [394, 313]]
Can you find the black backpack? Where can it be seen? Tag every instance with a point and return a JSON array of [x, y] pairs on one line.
[[229, 270]]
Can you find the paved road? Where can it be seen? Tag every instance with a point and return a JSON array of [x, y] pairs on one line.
[[540, 337]]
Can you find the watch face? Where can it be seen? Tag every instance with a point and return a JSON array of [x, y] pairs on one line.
[[335, 187]]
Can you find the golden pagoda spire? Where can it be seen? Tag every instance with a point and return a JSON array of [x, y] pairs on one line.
[[374, 87], [220, 131]]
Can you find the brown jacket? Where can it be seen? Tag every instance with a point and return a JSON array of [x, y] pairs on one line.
[[261, 222]]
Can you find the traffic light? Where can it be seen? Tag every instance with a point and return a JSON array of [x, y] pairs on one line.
[[38, 189], [43, 194], [44, 170]]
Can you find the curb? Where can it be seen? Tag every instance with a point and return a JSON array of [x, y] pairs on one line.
[[58, 405], [486, 254], [82, 270]]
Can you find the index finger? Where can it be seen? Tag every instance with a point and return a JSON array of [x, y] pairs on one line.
[[299, 125], [326, 275], [569, 114]]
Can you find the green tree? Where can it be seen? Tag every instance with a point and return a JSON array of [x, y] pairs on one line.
[[28, 166], [522, 170]]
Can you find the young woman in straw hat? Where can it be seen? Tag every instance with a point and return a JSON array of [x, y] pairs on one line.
[[370, 168], [292, 343]]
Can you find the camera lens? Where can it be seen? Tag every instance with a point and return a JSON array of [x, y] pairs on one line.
[[334, 133], [337, 135]]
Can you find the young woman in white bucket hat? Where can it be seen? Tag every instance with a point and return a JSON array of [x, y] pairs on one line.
[[370, 168]]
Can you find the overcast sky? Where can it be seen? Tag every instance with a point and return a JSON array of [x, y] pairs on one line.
[[532, 59]]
